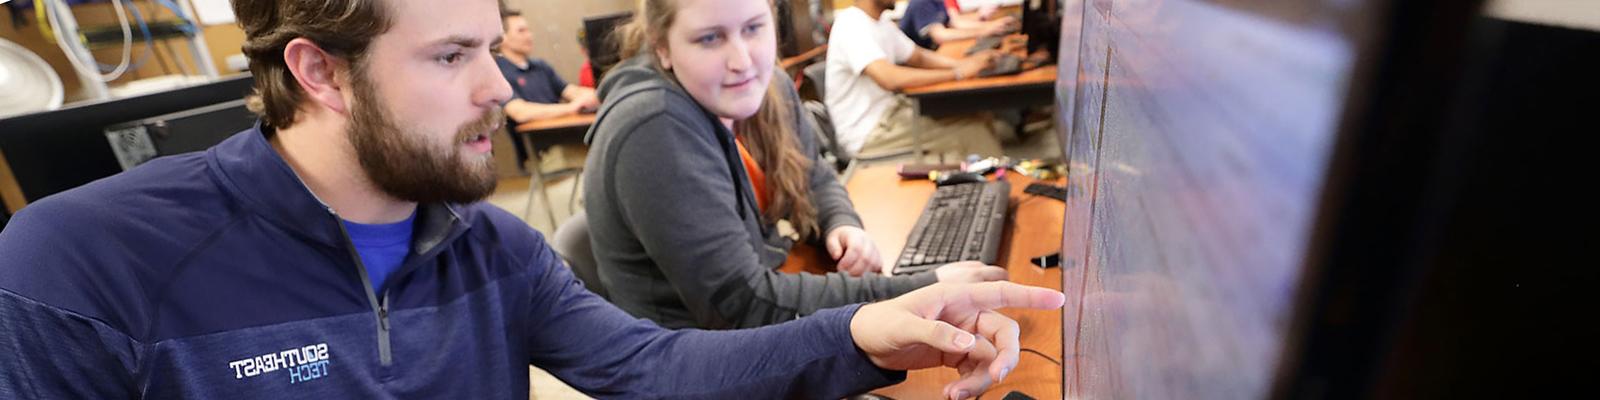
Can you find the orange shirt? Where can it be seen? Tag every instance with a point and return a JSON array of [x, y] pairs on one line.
[[758, 178]]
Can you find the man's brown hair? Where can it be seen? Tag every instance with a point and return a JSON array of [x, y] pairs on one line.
[[342, 28]]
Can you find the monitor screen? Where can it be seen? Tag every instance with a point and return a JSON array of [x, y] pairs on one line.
[[1199, 134]]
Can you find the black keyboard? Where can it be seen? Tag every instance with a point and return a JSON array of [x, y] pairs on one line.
[[961, 223], [985, 43], [1005, 64]]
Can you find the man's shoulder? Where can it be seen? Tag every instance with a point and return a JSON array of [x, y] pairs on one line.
[[173, 198], [492, 225], [114, 235], [539, 63], [923, 12], [851, 18], [181, 184], [507, 66]]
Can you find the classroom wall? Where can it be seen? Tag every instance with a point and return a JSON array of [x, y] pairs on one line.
[[1578, 14], [221, 40], [555, 25]]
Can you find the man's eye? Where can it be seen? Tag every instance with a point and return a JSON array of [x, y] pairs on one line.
[[449, 59]]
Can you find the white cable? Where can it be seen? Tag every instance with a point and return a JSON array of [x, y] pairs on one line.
[[60, 37], [127, 43], [67, 46]]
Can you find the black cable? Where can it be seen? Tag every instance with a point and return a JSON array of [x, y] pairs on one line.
[[1026, 350], [1041, 354]]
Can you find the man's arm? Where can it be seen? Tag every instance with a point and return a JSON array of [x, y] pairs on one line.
[[600, 350], [523, 111], [573, 93], [603, 352], [51, 353], [924, 58], [584, 97], [925, 68], [942, 34], [974, 20], [49, 350]]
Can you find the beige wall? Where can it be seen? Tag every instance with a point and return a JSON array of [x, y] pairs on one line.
[[221, 40], [555, 26], [1578, 14]]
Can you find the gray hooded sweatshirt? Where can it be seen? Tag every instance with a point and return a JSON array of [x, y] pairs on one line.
[[674, 222]]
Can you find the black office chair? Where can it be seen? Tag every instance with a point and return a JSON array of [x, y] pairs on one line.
[[822, 124], [814, 73], [571, 241]]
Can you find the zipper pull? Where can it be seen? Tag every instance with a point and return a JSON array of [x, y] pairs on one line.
[[383, 311], [383, 316]]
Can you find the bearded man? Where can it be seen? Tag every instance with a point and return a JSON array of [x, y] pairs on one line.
[[339, 249]]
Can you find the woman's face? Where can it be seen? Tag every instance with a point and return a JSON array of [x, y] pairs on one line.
[[722, 51]]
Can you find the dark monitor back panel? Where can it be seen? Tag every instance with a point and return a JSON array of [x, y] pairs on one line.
[[605, 40], [1199, 134], [1499, 280], [186, 131], [1328, 199], [58, 150]]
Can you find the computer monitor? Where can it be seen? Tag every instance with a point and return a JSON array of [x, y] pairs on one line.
[[605, 41], [1325, 199], [1041, 22], [185, 131], [50, 152], [796, 29]]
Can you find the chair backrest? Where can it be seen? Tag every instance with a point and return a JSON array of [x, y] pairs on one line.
[[571, 241], [829, 140], [814, 73]]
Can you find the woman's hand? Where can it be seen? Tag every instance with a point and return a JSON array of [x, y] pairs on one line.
[[854, 251]]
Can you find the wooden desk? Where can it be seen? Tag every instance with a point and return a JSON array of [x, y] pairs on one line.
[[545, 133], [1032, 87], [542, 135], [889, 207], [792, 65]]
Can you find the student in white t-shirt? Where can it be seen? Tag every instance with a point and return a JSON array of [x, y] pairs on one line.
[[869, 59]]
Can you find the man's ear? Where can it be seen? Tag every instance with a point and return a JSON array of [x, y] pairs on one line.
[[317, 72]]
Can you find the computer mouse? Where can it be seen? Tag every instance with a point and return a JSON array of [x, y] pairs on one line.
[[958, 178]]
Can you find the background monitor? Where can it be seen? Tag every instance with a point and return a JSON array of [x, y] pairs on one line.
[[605, 41], [186, 131], [1041, 21], [53, 151]]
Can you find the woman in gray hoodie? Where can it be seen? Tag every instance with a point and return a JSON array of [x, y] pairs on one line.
[[696, 153]]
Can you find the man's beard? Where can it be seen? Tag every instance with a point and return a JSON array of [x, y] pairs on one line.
[[406, 166]]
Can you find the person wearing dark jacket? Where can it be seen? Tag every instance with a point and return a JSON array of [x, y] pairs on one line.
[[687, 176], [339, 250]]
